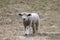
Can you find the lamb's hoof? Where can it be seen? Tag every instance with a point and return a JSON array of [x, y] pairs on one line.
[[26, 34]]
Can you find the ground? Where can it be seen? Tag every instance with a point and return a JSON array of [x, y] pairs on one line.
[[11, 26]]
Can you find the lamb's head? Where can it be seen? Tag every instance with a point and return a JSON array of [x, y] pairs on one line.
[[25, 16]]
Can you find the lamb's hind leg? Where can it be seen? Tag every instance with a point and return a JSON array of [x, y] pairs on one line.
[[36, 28], [33, 28], [37, 24]]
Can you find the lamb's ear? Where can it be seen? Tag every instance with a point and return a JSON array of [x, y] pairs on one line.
[[29, 14], [20, 14]]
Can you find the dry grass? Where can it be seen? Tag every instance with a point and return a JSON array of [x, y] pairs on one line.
[[11, 27]]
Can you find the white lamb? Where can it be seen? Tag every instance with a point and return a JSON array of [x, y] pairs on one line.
[[30, 20]]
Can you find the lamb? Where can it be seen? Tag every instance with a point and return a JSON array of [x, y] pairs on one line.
[[30, 20]]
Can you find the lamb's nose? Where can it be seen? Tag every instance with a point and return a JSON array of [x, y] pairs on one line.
[[24, 19]]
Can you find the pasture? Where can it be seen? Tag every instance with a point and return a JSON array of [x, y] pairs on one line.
[[11, 27]]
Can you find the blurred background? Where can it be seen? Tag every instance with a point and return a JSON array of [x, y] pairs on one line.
[[11, 27]]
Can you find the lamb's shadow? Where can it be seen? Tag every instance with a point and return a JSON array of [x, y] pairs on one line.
[[42, 34], [38, 34], [30, 35]]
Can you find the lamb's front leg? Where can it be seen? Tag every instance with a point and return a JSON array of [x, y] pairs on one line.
[[26, 30]]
